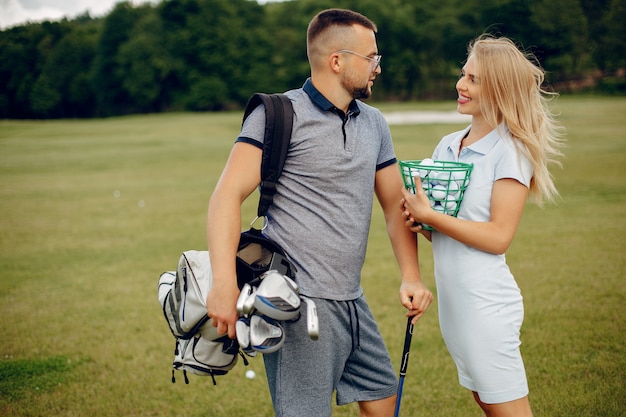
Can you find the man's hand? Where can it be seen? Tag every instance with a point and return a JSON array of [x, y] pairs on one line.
[[222, 307], [416, 298]]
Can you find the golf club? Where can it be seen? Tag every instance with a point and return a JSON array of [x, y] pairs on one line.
[[244, 295], [404, 363], [266, 334], [243, 336], [277, 296], [312, 321]]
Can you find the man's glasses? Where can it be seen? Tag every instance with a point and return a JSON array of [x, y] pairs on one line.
[[375, 60]]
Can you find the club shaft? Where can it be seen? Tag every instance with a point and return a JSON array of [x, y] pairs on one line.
[[405, 362], [407, 347], [399, 397]]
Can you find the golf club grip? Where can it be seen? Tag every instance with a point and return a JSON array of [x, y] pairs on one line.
[[407, 346]]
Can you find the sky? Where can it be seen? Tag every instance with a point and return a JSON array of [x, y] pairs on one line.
[[19, 12]]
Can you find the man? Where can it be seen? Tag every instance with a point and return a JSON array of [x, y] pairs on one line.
[[340, 154]]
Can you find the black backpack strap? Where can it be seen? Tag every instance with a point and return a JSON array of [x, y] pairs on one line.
[[278, 126]]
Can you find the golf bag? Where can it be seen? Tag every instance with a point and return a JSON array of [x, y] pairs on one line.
[[182, 293]]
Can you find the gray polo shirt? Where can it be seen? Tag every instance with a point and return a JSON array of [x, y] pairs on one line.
[[322, 209]]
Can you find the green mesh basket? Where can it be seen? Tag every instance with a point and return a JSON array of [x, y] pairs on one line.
[[444, 182]]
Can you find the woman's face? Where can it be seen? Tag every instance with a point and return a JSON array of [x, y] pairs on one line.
[[468, 87]]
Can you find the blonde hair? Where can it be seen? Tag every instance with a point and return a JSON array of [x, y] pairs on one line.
[[512, 92]]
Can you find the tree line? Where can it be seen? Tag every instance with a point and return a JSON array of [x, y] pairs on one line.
[[209, 55]]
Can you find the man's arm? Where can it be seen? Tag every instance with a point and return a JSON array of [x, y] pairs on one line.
[[414, 295], [239, 179]]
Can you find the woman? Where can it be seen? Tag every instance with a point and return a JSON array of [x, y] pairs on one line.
[[511, 141]]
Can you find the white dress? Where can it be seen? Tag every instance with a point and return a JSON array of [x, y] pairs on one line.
[[480, 304]]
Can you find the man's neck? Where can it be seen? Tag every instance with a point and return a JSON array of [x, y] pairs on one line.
[[333, 92]]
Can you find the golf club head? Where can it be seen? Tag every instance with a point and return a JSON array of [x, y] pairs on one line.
[[266, 334], [248, 306], [245, 293], [277, 297], [242, 328], [312, 322]]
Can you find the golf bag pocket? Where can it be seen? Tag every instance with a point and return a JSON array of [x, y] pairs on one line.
[[199, 348], [182, 293], [204, 356]]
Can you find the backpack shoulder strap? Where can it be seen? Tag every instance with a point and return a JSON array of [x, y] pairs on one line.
[[278, 127]]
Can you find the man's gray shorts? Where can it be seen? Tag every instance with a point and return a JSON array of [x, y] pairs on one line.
[[349, 357]]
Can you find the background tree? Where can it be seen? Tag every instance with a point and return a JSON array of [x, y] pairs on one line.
[[20, 65], [64, 88], [109, 71], [611, 39], [201, 55]]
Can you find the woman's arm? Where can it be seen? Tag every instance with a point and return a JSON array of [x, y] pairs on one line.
[[507, 206]]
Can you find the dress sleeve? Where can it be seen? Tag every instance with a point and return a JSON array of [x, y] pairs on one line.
[[514, 164]]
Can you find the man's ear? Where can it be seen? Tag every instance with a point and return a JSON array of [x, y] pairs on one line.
[[336, 62]]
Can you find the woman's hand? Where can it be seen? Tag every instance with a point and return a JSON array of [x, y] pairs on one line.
[[416, 207]]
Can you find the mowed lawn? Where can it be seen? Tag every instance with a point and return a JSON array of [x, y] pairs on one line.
[[92, 211]]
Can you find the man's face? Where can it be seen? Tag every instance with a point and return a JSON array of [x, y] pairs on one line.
[[363, 67]]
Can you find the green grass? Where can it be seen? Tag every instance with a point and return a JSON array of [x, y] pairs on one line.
[[93, 211], [18, 377]]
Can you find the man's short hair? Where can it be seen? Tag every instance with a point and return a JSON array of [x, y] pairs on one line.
[[336, 17]]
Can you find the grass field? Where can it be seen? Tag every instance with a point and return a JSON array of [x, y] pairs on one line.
[[93, 211]]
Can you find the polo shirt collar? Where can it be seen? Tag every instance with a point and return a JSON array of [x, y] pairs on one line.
[[323, 103], [483, 146]]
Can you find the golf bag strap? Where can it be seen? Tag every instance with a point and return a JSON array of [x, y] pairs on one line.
[[278, 127]]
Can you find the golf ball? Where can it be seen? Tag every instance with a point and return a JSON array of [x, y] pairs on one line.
[[250, 374], [459, 177], [425, 162], [433, 179], [440, 176], [449, 205], [453, 187], [411, 173], [453, 190], [440, 208], [438, 192]]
